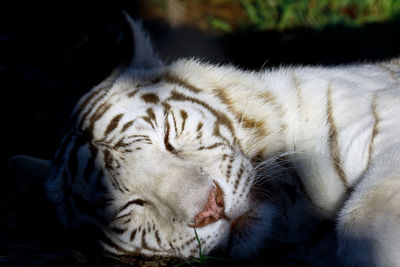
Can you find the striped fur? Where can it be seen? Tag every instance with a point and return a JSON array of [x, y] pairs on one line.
[[148, 144]]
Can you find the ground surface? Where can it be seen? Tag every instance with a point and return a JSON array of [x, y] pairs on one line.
[[53, 52]]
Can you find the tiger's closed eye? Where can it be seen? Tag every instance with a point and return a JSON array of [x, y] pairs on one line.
[[138, 202], [121, 212]]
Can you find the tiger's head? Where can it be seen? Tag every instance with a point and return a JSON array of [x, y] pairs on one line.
[[150, 158]]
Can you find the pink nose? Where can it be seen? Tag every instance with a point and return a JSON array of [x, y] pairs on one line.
[[214, 209]]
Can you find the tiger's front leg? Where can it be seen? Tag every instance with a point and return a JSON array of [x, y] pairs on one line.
[[369, 223]]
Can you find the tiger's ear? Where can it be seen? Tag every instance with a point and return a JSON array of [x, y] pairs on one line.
[[144, 56], [30, 172]]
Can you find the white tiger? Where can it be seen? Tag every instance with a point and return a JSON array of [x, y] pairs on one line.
[[157, 150]]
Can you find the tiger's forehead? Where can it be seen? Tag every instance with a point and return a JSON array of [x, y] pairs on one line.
[[123, 102]]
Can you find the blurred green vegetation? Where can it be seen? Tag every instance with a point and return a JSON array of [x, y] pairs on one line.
[[260, 15], [287, 14]]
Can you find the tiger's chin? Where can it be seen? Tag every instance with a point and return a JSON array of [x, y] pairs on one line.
[[249, 231]]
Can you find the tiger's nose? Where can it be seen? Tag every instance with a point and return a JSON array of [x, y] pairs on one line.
[[213, 210]]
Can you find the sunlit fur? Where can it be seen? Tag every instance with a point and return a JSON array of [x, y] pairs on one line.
[[147, 146]]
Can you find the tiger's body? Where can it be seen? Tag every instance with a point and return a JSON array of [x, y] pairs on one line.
[[155, 151]]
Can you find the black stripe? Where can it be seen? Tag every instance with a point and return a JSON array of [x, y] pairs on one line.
[[122, 217], [144, 243], [86, 101], [138, 135], [132, 93], [112, 125], [150, 98], [118, 231], [170, 78], [104, 87], [108, 159], [168, 146], [152, 115], [238, 177], [144, 140], [375, 128], [121, 143], [158, 238], [147, 119], [333, 141], [127, 125], [229, 168], [211, 146], [187, 243], [133, 234], [101, 110], [174, 120], [184, 116], [221, 117], [127, 221], [115, 246], [86, 114], [199, 126]]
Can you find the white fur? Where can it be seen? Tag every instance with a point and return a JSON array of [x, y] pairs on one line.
[[323, 118]]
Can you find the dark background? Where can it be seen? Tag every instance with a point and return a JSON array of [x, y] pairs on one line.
[[52, 52]]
